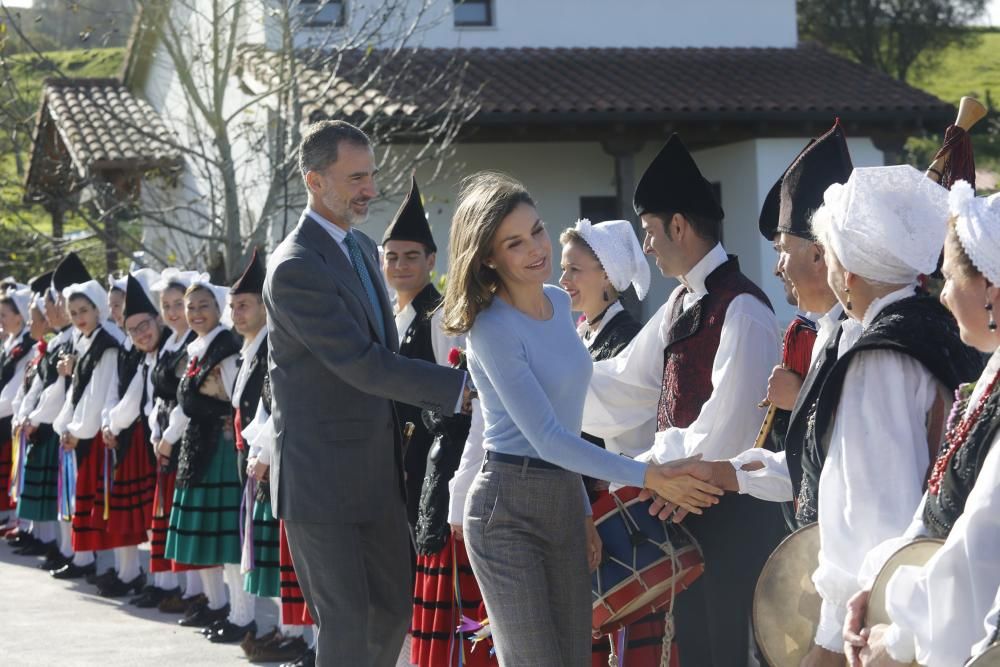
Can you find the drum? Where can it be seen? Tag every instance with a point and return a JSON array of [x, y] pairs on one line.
[[646, 561], [917, 553], [988, 658], [785, 602]]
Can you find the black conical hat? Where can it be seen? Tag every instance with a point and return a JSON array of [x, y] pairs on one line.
[[673, 183], [41, 284], [70, 271], [252, 280], [770, 212], [410, 222], [825, 162], [137, 299]]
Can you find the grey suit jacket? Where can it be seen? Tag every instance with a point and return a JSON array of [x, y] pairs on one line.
[[334, 382]]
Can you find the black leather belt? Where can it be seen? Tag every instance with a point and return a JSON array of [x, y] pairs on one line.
[[523, 461]]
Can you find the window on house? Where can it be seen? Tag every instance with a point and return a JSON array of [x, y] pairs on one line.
[[317, 13], [473, 13]]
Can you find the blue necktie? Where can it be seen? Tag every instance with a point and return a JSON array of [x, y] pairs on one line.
[[354, 250]]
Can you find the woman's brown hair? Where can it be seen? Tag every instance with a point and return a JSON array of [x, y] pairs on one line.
[[485, 199], [963, 261]]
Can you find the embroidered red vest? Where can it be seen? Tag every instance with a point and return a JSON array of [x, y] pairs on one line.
[[692, 342]]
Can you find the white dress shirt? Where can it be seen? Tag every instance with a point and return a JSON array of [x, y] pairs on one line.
[[9, 390], [624, 391], [51, 398], [773, 482], [83, 420], [227, 367], [441, 343], [872, 479], [248, 352]]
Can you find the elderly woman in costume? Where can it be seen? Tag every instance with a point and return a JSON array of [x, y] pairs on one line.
[[938, 610], [881, 409]]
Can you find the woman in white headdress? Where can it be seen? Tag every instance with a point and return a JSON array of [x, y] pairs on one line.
[[881, 409], [599, 262], [15, 352], [938, 610]]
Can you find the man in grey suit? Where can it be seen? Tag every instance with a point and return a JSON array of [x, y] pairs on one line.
[[335, 372]]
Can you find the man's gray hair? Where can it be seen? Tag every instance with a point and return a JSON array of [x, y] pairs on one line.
[[321, 141]]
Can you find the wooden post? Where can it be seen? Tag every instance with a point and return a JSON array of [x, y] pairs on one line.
[[623, 150]]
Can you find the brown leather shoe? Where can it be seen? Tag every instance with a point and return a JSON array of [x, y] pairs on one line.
[[250, 643], [287, 650], [175, 604]]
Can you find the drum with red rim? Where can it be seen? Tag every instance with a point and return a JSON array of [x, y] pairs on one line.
[[645, 563]]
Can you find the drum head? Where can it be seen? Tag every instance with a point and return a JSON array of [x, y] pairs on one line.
[[785, 602], [916, 553], [988, 658]]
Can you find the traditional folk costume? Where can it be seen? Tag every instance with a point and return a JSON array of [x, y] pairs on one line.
[[39, 477], [700, 365], [204, 519], [96, 359], [443, 573], [133, 477], [14, 357], [938, 609], [809, 349], [886, 224], [617, 249]]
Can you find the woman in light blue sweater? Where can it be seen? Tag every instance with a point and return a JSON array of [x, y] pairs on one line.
[[527, 526]]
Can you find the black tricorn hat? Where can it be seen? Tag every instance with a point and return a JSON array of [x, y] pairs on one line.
[[252, 280], [771, 209], [41, 284], [820, 165], [673, 183], [69, 271], [410, 222], [137, 300]]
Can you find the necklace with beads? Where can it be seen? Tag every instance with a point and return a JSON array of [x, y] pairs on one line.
[[956, 438]]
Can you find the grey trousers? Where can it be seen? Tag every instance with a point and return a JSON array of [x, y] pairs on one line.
[[356, 580], [524, 532]]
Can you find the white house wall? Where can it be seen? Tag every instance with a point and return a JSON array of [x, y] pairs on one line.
[[600, 23]]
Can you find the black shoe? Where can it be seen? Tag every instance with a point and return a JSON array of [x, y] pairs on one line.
[[99, 579], [278, 651], [72, 571], [228, 633], [54, 562], [21, 539], [210, 629], [36, 548], [152, 596], [204, 617], [308, 659], [119, 588]]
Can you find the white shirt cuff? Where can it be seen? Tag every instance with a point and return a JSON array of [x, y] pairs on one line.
[[900, 644], [830, 632]]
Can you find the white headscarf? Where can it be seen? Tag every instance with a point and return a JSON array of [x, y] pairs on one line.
[[977, 223], [117, 283], [221, 295], [22, 300], [173, 276], [619, 252], [885, 224], [97, 295]]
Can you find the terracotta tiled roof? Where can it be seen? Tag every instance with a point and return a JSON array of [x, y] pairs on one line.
[[651, 84], [105, 126]]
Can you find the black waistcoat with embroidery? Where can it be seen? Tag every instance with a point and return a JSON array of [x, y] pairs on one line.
[[48, 367], [941, 510], [612, 339], [257, 389], [83, 372], [8, 367], [918, 327], [166, 378], [129, 364], [208, 415], [417, 343]]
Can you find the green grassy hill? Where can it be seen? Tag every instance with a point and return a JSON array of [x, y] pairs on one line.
[[965, 71]]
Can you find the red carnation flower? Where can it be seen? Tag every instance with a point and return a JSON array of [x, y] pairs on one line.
[[42, 347], [193, 367], [454, 356]]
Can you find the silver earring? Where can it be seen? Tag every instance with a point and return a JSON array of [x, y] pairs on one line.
[[992, 326]]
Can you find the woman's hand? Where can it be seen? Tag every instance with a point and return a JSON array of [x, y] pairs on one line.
[[821, 657], [682, 483], [876, 654], [65, 365], [110, 440], [257, 469], [456, 531], [68, 441], [595, 547], [855, 633], [163, 449]]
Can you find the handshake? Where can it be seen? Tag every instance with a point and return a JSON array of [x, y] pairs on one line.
[[686, 486]]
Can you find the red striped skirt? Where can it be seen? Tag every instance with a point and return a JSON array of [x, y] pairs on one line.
[[163, 499], [131, 496], [435, 616], [293, 605], [89, 532], [6, 461]]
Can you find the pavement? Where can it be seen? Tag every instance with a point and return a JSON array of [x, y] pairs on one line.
[[44, 621]]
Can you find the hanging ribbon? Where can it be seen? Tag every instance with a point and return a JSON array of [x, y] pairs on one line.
[[456, 610], [246, 525], [18, 456], [159, 506], [109, 474], [67, 484]]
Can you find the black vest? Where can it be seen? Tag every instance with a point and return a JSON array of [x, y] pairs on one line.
[[167, 377], [942, 510], [257, 386], [85, 365], [47, 367], [207, 414], [416, 343], [918, 327], [10, 360]]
